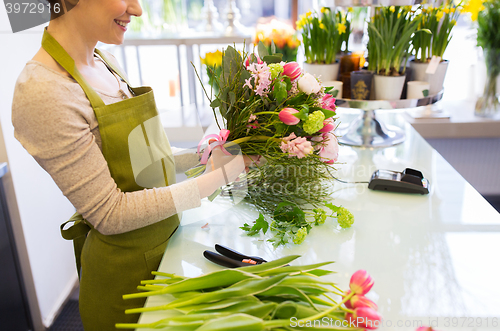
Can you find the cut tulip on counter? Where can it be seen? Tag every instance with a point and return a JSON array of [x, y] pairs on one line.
[[267, 296]]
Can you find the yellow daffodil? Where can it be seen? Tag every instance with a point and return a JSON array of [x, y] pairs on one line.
[[308, 14], [446, 10], [322, 26], [350, 10], [324, 10], [453, 22], [341, 28], [439, 15], [474, 7], [392, 9], [452, 10]]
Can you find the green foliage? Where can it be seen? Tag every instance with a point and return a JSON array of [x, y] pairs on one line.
[[321, 35], [439, 21], [488, 25], [390, 32], [259, 297]]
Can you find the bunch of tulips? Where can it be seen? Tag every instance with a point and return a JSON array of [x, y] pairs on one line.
[[268, 296]]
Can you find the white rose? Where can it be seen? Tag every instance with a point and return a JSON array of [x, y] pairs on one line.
[[309, 84]]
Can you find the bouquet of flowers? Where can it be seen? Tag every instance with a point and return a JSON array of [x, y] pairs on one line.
[[322, 35], [213, 62], [283, 35], [439, 21], [273, 109]]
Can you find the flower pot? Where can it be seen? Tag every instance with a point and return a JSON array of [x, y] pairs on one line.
[[388, 87], [361, 84], [416, 89], [435, 80], [325, 72]]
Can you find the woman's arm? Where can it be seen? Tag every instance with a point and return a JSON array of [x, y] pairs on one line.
[[53, 120]]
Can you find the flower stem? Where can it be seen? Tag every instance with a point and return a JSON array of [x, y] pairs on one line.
[[328, 311]]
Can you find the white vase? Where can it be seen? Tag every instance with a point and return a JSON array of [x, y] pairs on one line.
[[435, 80], [325, 72], [388, 87]]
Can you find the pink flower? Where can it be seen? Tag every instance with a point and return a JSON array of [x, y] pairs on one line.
[[360, 301], [328, 102], [292, 70], [328, 125], [286, 116], [261, 76], [252, 118], [425, 328], [365, 318], [249, 58], [361, 282], [328, 147], [296, 146]]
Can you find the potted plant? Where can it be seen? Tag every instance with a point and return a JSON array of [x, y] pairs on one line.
[[390, 33], [440, 21], [282, 34], [488, 37], [322, 39]]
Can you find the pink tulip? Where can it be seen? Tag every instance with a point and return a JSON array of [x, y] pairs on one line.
[[361, 282], [328, 125], [328, 102], [292, 70], [348, 302], [286, 116], [365, 318], [360, 301], [249, 58]]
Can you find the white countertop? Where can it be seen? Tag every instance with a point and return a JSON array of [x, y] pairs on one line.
[[433, 257]]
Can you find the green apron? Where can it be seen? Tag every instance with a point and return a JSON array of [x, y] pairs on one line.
[[138, 154]]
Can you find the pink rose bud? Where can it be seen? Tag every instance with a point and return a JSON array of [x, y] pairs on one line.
[[361, 282], [292, 70], [249, 58], [286, 116], [328, 125], [365, 318], [360, 301]]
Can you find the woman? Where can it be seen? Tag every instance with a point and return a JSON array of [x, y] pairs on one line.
[[75, 113]]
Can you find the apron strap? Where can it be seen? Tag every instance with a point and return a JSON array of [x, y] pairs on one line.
[[58, 53], [112, 66], [78, 233]]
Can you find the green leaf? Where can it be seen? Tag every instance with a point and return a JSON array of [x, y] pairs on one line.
[[280, 92], [260, 224], [332, 207], [273, 47], [234, 322], [232, 97], [262, 50], [334, 93], [215, 103], [276, 58]]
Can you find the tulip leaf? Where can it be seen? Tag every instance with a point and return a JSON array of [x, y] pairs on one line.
[[273, 47], [234, 322]]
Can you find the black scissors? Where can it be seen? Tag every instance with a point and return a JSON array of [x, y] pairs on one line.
[[231, 258]]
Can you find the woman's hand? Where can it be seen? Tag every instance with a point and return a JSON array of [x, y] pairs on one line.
[[222, 169]]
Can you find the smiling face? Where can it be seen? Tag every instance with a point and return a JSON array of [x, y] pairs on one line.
[[106, 20]]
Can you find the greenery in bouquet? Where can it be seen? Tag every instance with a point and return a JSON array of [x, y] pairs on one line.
[[283, 36], [272, 109], [322, 35], [390, 33], [439, 21], [213, 64], [267, 296]]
